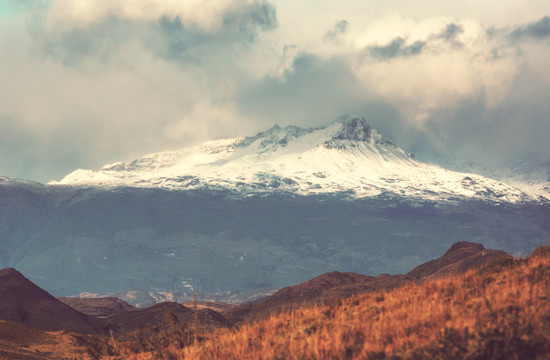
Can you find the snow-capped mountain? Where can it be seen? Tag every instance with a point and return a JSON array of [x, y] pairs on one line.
[[346, 157], [529, 176], [145, 228]]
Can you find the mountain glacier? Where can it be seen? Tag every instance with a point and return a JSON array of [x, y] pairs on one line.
[[347, 157]]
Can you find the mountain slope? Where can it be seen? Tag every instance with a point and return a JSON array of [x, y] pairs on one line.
[[25, 207], [500, 312], [102, 307], [20, 342], [104, 242], [323, 288], [502, 309], [461, 257], [23, 302], [532, 177], [347, 157]]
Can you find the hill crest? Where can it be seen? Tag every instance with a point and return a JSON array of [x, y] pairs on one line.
[[24, 302]]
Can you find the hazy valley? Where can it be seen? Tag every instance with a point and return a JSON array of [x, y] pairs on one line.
[[165, 238]]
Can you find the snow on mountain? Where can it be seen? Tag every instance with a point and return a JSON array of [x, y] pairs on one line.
[[531, 177], [16, 182], [346, 157]]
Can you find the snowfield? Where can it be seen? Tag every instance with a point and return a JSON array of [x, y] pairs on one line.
[[347, 157]]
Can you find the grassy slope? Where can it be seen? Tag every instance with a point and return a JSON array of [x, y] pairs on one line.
[[21, 342], [499, 312]]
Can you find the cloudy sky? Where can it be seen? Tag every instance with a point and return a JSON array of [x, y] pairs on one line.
[[84, 83]]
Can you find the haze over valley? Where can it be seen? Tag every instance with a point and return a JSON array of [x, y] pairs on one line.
[[233, 220]]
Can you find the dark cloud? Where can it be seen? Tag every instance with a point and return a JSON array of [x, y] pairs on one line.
[[168, 37], [315, 91], [451, 31], [340, 28], [514, 130], [539, 30], [172, 40], [395, 49], [471, 128], [250, 17]]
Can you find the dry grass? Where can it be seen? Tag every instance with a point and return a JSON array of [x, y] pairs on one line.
[[500, 312], [22, 342]]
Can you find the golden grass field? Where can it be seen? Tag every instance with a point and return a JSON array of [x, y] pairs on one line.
[[501, 311]]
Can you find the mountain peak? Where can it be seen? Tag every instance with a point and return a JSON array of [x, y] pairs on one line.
[[464, 246], [351, 121], [10, 273], [356, 128], [352, 128], [23, 301], [460, 256]]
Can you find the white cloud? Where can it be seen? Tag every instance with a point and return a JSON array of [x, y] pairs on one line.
[[383, 31], [206, 120]]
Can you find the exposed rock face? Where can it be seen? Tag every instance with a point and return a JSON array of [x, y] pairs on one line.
[[357, 129]]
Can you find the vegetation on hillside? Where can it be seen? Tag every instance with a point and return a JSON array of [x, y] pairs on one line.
[[499, 312]]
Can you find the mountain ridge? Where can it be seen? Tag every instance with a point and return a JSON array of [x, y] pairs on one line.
[[348, 158], [459, 258], [24, 302]]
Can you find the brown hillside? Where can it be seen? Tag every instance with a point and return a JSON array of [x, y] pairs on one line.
[[500, 312], [219, 307], [23, 302], [158, 313], [323, 288], [165, 315], [206, 319], [460, 257], [20, 342], [99, 307]]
